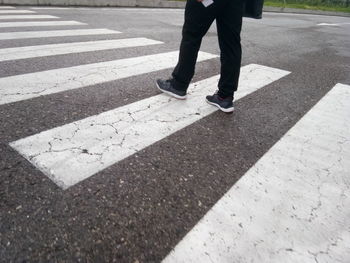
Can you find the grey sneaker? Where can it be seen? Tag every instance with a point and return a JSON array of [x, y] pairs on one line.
[[167, 87], [224, 104]]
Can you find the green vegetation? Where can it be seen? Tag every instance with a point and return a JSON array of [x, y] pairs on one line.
[[324, 5]]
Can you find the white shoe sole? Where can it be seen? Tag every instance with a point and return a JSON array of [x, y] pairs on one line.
[[172, 94], [222, 109]]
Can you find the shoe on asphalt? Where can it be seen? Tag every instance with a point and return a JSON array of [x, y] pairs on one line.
[[224, 104], [167, 87]]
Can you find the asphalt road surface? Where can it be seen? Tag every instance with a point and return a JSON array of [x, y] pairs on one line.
[[97, 166]]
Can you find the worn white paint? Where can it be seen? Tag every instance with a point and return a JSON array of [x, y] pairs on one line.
[[16, 12], [40, 23], [56, 33], [332, 24], [143, 10], [292, 206], [114, 9], [6, 7], [76, 151], [11, 17], [69, 48], [53, 8], [32, 85]]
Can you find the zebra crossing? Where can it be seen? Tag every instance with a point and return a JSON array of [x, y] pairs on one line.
[[31, 85], [40, 24], [280, 187], [16, 12], [8, 17], [69, 48], [76, 151], [56, 33], [126, 130]]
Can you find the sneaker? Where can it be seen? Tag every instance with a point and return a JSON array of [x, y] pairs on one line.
[[167, 87], [224, 104]]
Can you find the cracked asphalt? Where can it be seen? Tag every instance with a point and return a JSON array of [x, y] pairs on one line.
[[138, 209]]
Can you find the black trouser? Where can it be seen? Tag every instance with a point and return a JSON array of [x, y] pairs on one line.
[[198, 19]]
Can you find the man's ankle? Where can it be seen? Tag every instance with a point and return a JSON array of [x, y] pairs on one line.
[[178, 85], [225, 96]]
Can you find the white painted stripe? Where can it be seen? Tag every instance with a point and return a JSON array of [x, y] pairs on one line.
[[73, 152], [333, 24], [53, 8], [16, 12], [142, 10], [40, 23], [69, 48], [111, 8], [292, 205], [10, 17], [115, 9], [32, 85], [56, 33], [6, 7]]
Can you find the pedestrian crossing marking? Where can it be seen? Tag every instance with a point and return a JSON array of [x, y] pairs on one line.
[[69, 48], [54, 8], [56, 33], [16, 12], [40, 23], [32, 85], [11, 17], [76, 151], [293, 203], [332, 24]]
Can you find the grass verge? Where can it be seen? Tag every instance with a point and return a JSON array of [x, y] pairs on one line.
[[304, 6], [308, 7]]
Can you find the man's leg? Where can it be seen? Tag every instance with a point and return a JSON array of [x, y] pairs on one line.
[[197, 22], [229, 24]]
